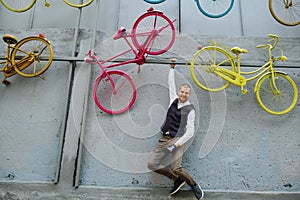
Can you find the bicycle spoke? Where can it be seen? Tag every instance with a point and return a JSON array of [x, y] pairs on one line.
[[153, 31], [34, 67], [154, 22], [285, 12], [211, 79], [121, 98], [204, 65], [114, 100], [37, 49], [36, 54], [278, 101], [215, 8], [268, 90]]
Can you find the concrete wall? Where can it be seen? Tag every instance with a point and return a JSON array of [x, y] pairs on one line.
[[52, 131], [247, 18]]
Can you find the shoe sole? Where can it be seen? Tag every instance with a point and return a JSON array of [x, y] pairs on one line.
[[201, 192], [180, 186]]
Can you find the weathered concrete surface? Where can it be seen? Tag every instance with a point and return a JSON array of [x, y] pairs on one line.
[[32, 112], [237, 147], [253, 150], [247, 18], [239, 151]]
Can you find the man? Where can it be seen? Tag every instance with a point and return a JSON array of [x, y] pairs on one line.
[[177, 129]]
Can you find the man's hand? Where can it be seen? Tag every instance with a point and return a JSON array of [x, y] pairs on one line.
[[171, 147], [172, 65]]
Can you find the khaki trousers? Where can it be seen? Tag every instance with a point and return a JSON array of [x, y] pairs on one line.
[[168, 163]]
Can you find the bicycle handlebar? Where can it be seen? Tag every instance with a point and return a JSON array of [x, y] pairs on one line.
[[90, 57], [268, 45], [275, 38]]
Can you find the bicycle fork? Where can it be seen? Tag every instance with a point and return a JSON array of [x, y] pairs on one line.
[[288, 3], [272, 83]]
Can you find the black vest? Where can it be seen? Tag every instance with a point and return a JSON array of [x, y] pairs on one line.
[[176, 119]]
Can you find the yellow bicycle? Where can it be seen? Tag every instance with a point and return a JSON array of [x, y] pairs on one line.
[[213, 69], [286, 12], [24, 5], [29, 57]]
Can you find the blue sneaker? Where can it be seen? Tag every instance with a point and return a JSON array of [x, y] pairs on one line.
[[199, 194], [178, 183]]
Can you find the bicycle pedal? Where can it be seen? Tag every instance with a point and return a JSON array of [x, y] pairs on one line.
[[244, 91], [42, 77], [5, 82]]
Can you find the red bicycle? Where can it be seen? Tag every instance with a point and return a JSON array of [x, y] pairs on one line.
[[153, 33]]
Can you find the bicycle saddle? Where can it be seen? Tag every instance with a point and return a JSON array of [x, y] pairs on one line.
[[238, 50], [121, 32], [10, 39]]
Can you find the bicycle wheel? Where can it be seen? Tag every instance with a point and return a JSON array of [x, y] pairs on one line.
[[204, 68], [154, 1], [161, 26], [286, 12], [32, 56], [18, 5], [78, 3], [277, 103], [114, 101], [214, 8]]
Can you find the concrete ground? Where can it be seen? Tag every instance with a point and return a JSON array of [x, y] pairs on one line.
[[48, 191]]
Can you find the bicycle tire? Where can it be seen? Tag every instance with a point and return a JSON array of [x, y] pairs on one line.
[[18, 5], [148, 22], [107, 100], [204, 62], [78, 3], [154, 1], [270, 101], [214, 8], [36, 48], [289, 16]]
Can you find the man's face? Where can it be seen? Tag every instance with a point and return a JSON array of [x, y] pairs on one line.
[[184, 93]]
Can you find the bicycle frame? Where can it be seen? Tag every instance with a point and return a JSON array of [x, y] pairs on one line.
[[139, 53], [16, 64], [238, 79], [235, 77], [8, 68], [145, 39], [275, 91]]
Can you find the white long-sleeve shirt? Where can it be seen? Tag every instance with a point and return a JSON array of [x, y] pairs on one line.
[[190, 127]]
